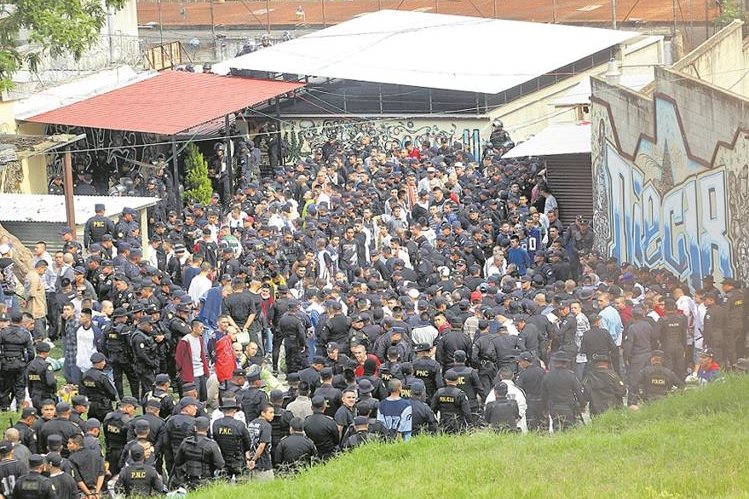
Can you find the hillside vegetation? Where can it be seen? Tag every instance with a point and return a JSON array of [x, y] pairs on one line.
[[690, 445]]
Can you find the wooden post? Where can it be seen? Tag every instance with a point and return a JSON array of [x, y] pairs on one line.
[[67, 163]]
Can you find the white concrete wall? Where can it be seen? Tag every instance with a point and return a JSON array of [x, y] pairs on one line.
[[532, 113]]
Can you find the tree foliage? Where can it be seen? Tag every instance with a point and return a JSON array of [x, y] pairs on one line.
[[198, 185], [730, 10], [53, 27]]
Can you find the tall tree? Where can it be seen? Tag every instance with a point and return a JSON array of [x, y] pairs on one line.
[[53, 27]]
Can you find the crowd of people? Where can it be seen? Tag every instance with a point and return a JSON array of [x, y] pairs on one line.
[[364, 292]]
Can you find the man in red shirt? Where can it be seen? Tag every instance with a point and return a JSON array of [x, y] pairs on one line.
[[226, 361], [361, 356]]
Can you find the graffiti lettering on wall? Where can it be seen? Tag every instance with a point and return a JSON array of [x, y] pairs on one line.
[[667, 210], [306, 134]]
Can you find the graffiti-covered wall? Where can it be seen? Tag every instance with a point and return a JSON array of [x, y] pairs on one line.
[[671, 177], [303, 134]]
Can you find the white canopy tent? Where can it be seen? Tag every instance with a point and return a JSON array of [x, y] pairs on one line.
[[431, 51], [559, 138]]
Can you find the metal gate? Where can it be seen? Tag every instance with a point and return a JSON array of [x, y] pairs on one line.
[[571, 180]]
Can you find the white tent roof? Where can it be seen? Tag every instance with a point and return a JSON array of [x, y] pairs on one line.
[[431, 50], [559, 138], [49, 208], [580, 93]]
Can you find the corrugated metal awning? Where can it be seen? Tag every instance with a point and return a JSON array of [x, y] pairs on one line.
[[559, 138], [51, 209], [167, 104]]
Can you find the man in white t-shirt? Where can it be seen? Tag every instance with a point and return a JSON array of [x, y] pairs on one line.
[[191, 359], [201, 283]]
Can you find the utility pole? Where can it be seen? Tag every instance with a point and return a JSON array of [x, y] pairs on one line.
[[707, 21], [267, 14], [613, 14], [324, 24], [494, 6], [161, 26], [673, 27], [554, 11], [213, 33]]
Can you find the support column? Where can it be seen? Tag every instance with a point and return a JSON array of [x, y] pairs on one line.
[[67, 162], [175, 173]]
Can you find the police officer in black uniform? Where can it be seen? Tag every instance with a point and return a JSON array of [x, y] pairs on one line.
[[155, 428], [140, 479], [293, 329], [11, 469], [24, 426], [508, 347], [252, 398], [124, 227], [176, 429], [468, 381], [656, 380], [160, 392], [502, 414], [561, 393], [233, 439], [360, 434], [97, 386], [42, 384], [529, 380], [34, 485], [60, 426], [295, 450], [450, 341], [145, 355], [484, 355], [64, 483], [427, 369], [603, 388], [322, 429], [178, 328], [97, 226], [80, 405], [198, 457], [423, 419], [452, 405], [116, 425], [563, 338], [117, 349], [672, 334], [121, 295], [736, 315], [16, 350], [141, 435]]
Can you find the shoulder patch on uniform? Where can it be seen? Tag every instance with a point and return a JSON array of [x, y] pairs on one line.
[[142, 345], [49, 368]]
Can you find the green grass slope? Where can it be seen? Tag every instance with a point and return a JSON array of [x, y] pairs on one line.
[[690, 445]]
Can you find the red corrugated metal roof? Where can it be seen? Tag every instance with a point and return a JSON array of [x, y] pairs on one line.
[[168, 103]]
